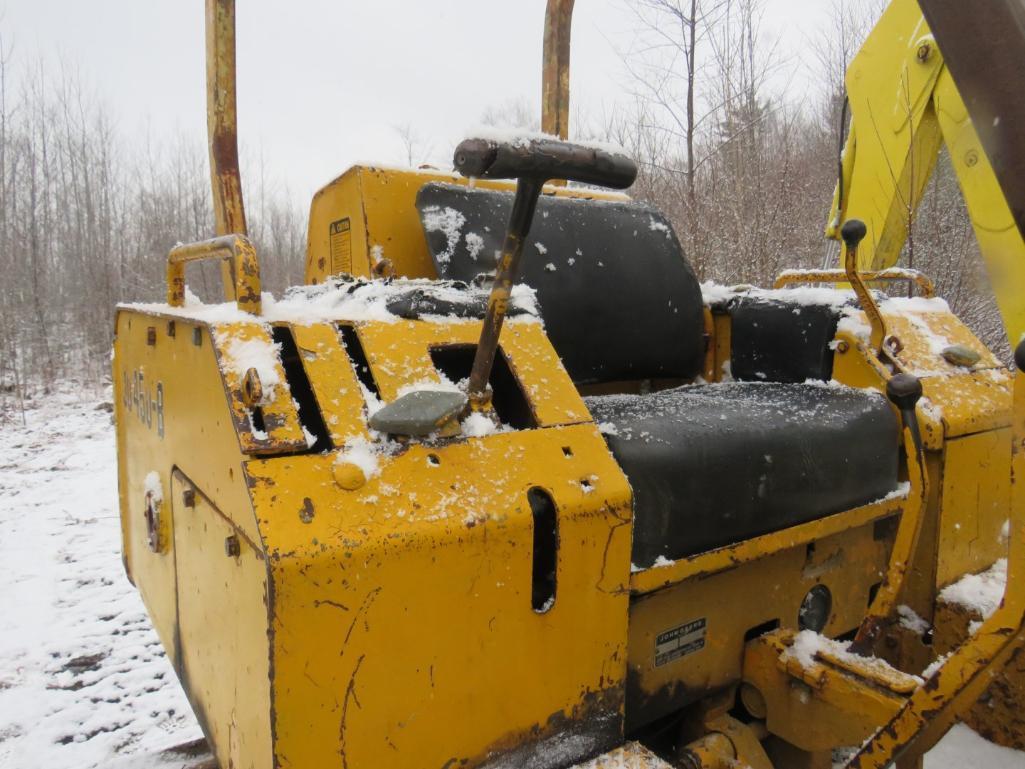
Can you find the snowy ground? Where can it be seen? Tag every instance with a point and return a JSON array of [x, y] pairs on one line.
[[83, 682]]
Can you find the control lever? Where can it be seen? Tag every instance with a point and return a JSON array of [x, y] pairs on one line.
[[904, 392], [531, 162], [853, 232]]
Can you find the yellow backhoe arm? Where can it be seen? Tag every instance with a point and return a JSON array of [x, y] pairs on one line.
[[905, 106]]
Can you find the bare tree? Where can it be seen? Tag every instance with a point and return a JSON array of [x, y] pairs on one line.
[[417, 147]]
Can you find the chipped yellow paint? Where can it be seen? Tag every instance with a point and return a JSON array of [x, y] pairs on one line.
[[282, 432], [738, 600], [822, 705], [420, 581]]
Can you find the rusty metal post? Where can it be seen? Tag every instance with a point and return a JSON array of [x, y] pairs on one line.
[[236, 249], [222, 128], [555, 69]]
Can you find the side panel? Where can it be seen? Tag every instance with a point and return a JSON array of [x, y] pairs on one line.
[[687, 640], [225, 656], [172, 417], [403, 624], [976, 504]]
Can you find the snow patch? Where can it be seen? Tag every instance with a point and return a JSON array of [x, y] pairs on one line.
[[808, 645], [366, 455], [479, 425], [244, 354], [474, 244], [336, 300], [982, 592], [153, 487], [910, 620], [656, 226], [449, 221], [521, 138]]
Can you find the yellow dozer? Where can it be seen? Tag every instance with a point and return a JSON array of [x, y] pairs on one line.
[[502, 486]]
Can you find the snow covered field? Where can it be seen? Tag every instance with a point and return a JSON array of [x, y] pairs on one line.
[[83, 681]]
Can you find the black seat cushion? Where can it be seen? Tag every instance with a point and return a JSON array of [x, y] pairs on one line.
[[711, 465], [618, 299], [775, 340]]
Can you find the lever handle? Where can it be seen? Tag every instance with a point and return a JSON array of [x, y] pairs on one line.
[[531, 162], [543, 159]]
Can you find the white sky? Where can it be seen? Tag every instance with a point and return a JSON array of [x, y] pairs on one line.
[[323, 83]]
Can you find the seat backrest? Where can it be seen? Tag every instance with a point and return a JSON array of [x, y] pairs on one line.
[[618, 298]]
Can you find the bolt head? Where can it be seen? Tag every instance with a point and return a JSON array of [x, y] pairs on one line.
[[348, 476]]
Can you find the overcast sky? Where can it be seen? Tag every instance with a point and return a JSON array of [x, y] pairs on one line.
[[324, 83]]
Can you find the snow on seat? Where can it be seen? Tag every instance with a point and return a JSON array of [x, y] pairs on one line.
[[711, 465]]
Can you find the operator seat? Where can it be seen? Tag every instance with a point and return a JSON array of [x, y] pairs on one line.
[[709, 464]]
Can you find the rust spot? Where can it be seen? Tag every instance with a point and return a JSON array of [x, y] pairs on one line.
[[594, 723], [350, 694], [306, 513], [329, 602]]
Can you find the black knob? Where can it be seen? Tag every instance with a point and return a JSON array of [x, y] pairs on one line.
[[904, 390], [853, 232], [1019, 355]]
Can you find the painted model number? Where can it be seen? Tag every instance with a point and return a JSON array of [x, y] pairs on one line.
[[144, 400], [680, 641]]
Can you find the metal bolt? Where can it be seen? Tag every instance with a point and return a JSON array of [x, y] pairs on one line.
[[842, 346], [924, 52], [753, 701], [232, 547], [971, 158], [348, 475], [252, 388]]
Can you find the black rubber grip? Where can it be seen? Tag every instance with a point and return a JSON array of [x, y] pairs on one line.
[[544, 159], [853, 232], [904, 391]]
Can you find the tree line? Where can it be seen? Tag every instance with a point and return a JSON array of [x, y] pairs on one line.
[[743, 167]]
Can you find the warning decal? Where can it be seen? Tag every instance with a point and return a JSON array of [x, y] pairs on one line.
[[680, 641], [341, 247]]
